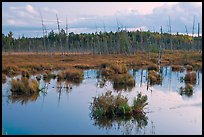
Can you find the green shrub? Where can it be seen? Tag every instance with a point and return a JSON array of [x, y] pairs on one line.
[[139, 103]]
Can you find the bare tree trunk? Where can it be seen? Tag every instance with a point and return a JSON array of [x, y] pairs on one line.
[[59, 35]]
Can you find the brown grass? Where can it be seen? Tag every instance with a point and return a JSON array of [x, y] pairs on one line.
[[177, 68], [113, 69], [24, 86], [189, 68], [25, 73], [14, 62], [71, 74], [190, 78], [3, 78], [154, 77], [123, 81]]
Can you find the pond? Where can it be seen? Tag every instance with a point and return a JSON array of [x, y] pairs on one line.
[[65, 107]]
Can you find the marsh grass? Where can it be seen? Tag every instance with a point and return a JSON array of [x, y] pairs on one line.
[[12, 63], [177, 68], [123, 81], [112, 69], [10, 70], [189, 67], [71, 74], [187, 90], [47, 76], [108, 105], [25, 73], [23, 98], [154, 77], [190, 78], [24, 86], [3, 78], [153, 67], [118, 75], [119, 121], [197, 66]]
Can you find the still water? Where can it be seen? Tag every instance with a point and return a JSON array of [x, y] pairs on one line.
[[67, 110]]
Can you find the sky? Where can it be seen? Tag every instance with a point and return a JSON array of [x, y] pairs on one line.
[[24, 18]]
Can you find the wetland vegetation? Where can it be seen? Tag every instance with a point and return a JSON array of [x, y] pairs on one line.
[[120, 61]]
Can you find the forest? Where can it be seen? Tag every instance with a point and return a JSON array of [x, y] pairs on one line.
[[119, 42]]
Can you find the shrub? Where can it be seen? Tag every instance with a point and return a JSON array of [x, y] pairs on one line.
[[139, 103]]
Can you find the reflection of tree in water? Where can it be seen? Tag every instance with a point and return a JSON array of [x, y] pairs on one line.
[[66, 85], [127, 124], [23, 98]]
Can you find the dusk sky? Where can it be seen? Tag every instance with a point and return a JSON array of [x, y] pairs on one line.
[[23, 18]]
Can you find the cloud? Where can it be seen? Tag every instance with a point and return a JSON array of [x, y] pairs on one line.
[[31, 10], [16, 22], [46, 9], [181, 14]]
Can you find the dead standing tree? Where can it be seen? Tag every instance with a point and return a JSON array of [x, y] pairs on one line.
[[59, 34], [193, 32], [170, 33], [43, 31], [160, 51], [67, 36]]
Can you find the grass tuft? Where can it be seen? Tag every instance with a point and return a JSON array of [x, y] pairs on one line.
[[24, 86]]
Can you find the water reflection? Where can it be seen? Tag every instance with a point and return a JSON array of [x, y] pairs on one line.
[[127, 124], [187, 90], [22, 98], [120, 87], [161, 101], [125, 82]]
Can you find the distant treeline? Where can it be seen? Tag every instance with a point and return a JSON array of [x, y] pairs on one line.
[[121, 42]]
